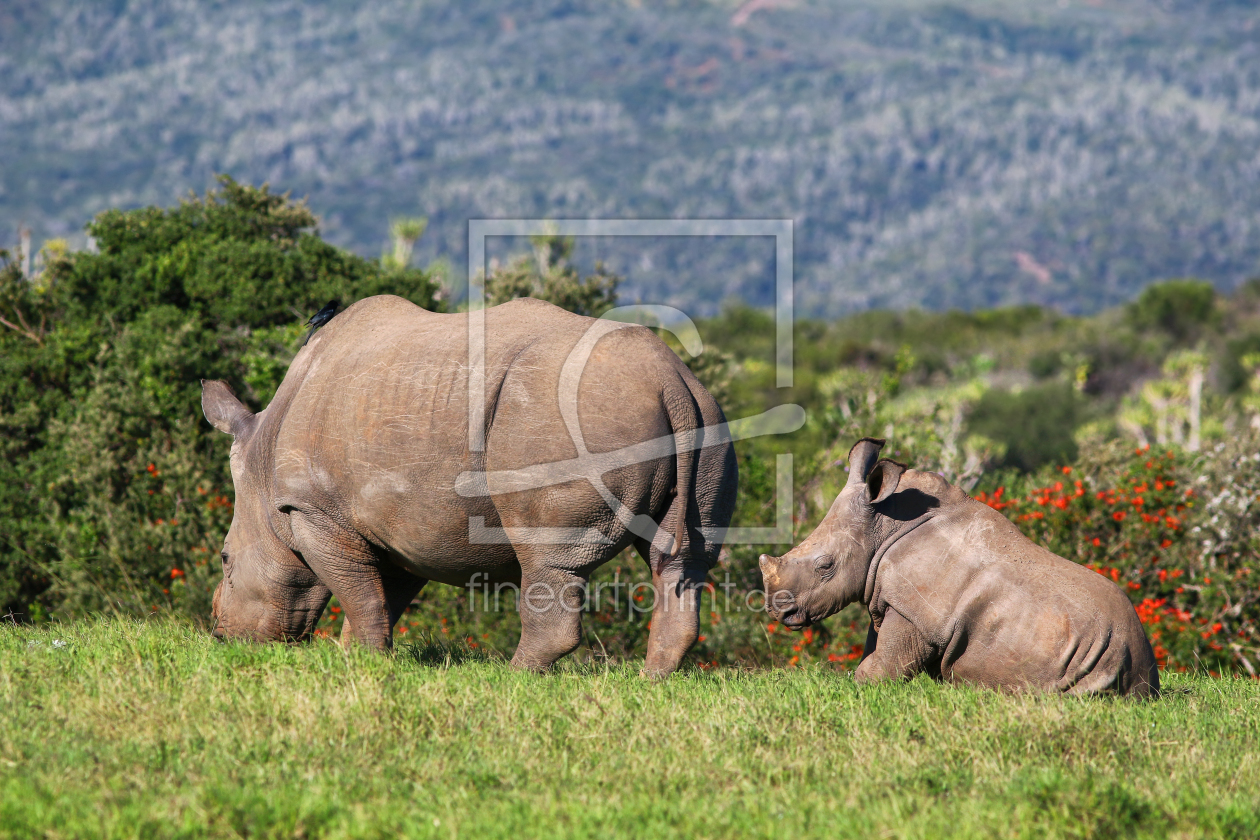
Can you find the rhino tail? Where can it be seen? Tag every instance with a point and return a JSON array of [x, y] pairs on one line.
[[685, 420]]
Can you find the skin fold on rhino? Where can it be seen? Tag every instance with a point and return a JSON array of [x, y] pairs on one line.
[[956, 591], [359, 480]]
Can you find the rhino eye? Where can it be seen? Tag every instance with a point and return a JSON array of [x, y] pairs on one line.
[[825, 565]]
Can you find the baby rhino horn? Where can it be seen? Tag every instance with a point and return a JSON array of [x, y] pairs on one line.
[[862, 458]]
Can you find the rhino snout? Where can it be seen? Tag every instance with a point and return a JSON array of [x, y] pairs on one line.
[[769, 570], [795, 617]]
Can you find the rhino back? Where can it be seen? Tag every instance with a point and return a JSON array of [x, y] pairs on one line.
[[377, 437], [1002, 610]]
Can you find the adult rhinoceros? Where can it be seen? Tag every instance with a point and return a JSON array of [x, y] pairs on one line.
[[361, 479], [955, 591]]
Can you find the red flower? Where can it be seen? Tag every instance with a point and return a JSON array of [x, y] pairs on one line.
[[1118, 516], [176, 573]]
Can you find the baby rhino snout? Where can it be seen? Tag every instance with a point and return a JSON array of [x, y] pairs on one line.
[[780, 602]]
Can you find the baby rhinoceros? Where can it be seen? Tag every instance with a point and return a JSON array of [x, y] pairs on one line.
[[954, 590]]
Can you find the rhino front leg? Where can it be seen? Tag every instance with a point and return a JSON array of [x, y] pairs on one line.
[[898, 651], [372, 591], [401, 589], [872, 639]]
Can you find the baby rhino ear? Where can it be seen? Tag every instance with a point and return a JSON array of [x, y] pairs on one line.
[[883, 480], [224, 411], [862, 458]]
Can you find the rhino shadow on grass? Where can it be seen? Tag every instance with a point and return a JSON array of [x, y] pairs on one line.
[[956, 591], [432, 652]]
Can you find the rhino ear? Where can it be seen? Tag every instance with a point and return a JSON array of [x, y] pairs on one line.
[[883, 480], [862, 458], [224, 411]]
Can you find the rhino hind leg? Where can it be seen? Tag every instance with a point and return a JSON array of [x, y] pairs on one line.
[[675, 614], [551, 603], [899, 652]]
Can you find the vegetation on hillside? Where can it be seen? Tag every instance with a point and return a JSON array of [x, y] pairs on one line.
[[969, 154]]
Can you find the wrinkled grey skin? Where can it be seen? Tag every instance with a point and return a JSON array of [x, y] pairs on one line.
[[956, 591], [345, 484]]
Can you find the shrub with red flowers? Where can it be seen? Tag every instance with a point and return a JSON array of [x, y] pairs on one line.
[[1178, 532]]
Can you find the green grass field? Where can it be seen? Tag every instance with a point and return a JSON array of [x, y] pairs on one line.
[[132, 729]]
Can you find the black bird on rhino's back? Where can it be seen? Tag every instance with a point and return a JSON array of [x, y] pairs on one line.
[[321, 317]]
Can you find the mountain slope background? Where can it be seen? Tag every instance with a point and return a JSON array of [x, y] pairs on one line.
[[964, 155]]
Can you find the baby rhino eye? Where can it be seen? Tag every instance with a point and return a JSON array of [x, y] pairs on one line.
[[825, 564]]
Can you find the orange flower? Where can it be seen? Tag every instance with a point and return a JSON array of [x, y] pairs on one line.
[[1118, 516]]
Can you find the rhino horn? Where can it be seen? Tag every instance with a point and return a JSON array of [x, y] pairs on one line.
[[862, 458]]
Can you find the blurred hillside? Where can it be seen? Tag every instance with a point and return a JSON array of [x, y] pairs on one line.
[[965, 155]]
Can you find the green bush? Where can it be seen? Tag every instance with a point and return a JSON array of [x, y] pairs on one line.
[[548, 274], [1035, 425], [114, 492], [1180, 308]]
